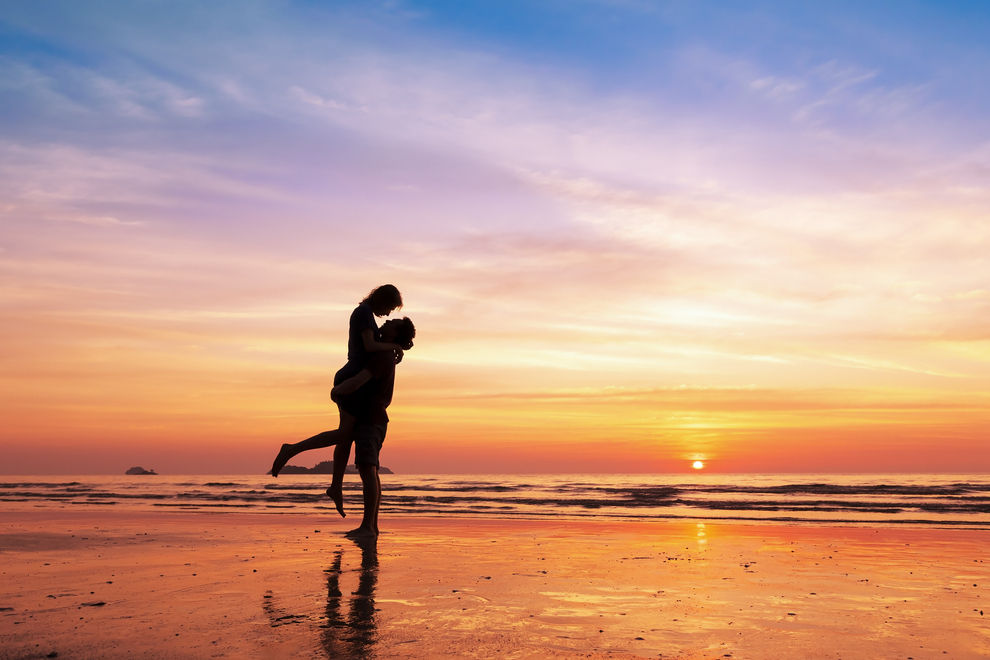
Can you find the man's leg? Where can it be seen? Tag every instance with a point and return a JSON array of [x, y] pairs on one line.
[[368, 439], [371, 487], [378, 499]]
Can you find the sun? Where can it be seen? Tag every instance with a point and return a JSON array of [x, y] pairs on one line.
[[698, 465]]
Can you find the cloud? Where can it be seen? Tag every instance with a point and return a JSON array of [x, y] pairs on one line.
[[317, 100], [98, 220], [746, 399], [656, 212]]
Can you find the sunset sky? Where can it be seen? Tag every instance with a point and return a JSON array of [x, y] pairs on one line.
[[631, 234]]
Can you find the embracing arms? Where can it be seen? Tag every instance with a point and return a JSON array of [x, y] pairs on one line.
[[371, 344]]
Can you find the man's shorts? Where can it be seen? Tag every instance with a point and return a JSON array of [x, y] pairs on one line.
[[368, 441]]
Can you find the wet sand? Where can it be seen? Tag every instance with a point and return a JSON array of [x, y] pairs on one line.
[[87, 584]]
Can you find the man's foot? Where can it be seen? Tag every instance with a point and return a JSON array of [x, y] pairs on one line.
[[361, 533], [284, 454], [336, 493]]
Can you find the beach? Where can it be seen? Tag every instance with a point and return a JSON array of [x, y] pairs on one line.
[[178, 584]]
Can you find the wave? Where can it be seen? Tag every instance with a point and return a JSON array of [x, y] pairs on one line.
[[37, 484], [638, 501], [856, 489]]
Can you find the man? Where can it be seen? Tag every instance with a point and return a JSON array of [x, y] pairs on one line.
[[366, 395]]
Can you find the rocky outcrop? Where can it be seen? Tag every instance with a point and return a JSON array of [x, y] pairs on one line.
[[139, 470], [324, 467]]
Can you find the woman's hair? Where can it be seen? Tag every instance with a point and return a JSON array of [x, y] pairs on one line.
[[405, 333], [384, 296]]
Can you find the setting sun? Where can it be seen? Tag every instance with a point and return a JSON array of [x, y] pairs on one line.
[[697, 465]]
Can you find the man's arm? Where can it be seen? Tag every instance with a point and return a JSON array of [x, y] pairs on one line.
[[350, 385]]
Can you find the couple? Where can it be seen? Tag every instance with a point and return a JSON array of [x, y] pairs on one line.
[[362, 391]]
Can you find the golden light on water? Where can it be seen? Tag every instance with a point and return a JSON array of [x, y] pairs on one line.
[[697, 465]]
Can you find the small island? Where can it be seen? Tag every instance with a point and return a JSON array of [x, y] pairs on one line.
[[323, 467], [139, 470]]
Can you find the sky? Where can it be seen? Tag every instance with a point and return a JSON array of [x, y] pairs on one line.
[[631, 234]]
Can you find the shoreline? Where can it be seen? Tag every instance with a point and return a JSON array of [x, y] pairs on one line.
[[102, 508], [118, 583]]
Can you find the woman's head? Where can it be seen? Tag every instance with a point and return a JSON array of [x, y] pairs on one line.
[[384, 300], [399, 331]]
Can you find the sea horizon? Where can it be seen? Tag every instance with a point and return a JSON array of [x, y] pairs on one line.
[[704, 473]]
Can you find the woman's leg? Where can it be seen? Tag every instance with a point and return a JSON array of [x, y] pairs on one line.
[[341, 454], [318, 441]]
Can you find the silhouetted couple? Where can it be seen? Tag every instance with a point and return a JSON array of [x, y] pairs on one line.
[[362, 391]]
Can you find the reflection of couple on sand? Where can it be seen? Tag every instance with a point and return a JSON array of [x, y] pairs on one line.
[[352, 634], [349, 627], [362, 391]]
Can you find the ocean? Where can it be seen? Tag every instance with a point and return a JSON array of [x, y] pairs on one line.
[[902, 499]]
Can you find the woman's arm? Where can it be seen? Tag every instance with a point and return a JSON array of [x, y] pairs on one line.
[[350, 385]]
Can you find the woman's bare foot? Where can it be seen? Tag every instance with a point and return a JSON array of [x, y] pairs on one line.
[[336, 493], [361, 533], [284, 454]]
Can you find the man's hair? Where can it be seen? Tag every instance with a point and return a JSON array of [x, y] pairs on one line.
[[405, 332], [384, 296]]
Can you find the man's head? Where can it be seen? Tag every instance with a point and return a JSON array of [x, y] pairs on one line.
[[399, 331]]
